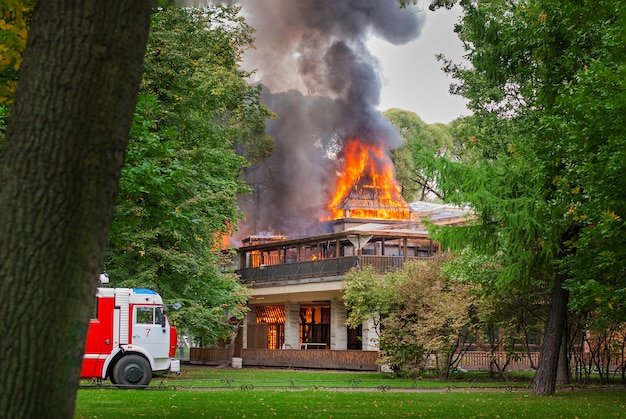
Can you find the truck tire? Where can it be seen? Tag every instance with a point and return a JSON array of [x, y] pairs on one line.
[[132, 371]]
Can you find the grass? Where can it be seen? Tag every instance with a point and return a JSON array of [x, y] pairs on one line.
[[247, 393], [194, 376]]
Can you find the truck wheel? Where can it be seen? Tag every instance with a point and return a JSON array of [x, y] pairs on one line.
[[132, 370]]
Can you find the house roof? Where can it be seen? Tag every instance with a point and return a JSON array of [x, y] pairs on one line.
[[441, 214]]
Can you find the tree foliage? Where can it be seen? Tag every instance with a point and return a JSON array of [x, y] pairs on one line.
[[416, 181], [431, 316], [424, 314], [15, 16], [180, 182], [510, 319], [368, 296], [546, 85]]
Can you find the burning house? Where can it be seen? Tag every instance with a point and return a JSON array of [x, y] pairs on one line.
[[296, 284], [296, 303], [328, 194]]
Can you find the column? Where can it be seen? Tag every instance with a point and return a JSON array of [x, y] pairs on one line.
[[292, 325], [370, 337], [249, 318], [338, 328]]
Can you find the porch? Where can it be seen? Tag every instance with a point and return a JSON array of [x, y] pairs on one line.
[[289, 358]]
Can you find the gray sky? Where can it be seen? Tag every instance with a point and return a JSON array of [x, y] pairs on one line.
[[412, 78]]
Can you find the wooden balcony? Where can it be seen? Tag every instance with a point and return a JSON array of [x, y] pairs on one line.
[[321, 268]]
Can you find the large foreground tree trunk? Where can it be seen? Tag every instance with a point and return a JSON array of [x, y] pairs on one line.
[[59, 171], [545, 378]]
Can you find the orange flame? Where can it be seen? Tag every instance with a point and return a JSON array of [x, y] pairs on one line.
[[367, 187]]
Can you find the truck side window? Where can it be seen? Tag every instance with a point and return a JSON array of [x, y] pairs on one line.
[[94, 313], [158, 316], [144, 315]]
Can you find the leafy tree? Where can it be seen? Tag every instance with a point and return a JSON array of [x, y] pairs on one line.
[[415, 181], [421, 313], [59, 170], [180, 182], [598, 344], [546, 144], [509, 318], [431, 318], [367, 295], [15, 16], [591, 116]]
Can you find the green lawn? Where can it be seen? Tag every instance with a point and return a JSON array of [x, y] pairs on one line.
[[227, 393]]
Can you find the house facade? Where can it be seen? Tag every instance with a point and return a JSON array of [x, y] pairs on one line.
[[297, 314]]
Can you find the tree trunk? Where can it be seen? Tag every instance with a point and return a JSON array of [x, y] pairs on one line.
[[59, 171], [563, 372], [545, 378]]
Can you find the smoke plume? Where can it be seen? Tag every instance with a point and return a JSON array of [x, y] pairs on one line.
[[324, 84]]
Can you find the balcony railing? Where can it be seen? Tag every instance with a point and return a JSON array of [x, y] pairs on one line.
[[320, 268]]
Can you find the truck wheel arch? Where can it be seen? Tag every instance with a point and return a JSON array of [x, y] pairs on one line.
[[132, 370], [119, 353]]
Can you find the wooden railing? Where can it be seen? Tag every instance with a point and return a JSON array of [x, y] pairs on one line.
[[341, 360], [387, 263], [310, 269], [321, 268]]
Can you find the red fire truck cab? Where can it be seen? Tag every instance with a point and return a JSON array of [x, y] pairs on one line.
[[129, 338]]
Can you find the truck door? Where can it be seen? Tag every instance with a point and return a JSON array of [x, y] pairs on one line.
[[99, 343], [151, 330]]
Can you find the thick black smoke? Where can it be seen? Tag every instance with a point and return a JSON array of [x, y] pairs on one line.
[[324, 84]]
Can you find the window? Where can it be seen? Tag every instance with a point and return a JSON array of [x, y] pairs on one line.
[[274, 318], [147, 315], [94, 313], [159, 315], [315, 324]]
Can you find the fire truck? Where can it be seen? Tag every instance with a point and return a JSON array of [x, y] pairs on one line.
[[129, 338]]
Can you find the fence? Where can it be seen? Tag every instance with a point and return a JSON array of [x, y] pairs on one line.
[[345, 360], [209, 356], [481, 360]]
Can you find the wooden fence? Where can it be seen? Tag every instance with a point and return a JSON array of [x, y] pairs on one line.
[[342, 360], [209, 356], [480, 360], [358, 360]]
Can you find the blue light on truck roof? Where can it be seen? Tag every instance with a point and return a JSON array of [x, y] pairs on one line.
[[143, 291]]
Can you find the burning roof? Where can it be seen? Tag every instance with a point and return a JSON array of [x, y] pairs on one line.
[[366, 187]]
